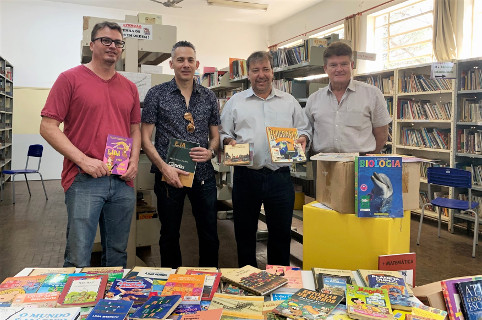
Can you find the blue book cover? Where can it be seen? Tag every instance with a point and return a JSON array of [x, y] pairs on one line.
[[280, 296], [130, 290], [157, 307], [471, 299], [378, 187], [396, 287], [186, 309], [110, 309]]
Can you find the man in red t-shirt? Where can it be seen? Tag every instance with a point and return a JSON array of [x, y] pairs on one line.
[[93, 101]]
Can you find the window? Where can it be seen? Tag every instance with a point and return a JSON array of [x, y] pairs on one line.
[[476, 27], [340, 30], [403, 34]]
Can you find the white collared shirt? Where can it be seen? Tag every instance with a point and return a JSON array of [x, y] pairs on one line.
[[246, 116], [346, 126]]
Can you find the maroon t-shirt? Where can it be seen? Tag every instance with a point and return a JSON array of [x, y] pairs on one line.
[[91, 108]]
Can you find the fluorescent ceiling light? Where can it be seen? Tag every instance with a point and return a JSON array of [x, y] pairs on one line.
[[239, 4]]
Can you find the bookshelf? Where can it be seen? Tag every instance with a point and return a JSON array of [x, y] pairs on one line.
[[424, 124], [6, 115], [467, 141], [385, 81]]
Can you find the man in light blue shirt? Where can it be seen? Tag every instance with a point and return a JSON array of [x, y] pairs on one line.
[[244, 120]]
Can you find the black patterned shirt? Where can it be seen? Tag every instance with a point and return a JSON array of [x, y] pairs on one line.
[[164, 106]]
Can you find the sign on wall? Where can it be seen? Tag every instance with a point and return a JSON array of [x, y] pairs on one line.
[[135, 30]]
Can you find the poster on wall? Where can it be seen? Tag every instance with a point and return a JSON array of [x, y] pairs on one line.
[[136, 30]]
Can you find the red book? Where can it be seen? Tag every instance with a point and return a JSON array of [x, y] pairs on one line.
[[211, 283], [403, 262], [83, 291]]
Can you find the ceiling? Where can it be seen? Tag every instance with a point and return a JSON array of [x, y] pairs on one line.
[[277, 9]]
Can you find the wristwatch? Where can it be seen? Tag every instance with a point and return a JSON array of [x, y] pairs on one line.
[[213, 154]]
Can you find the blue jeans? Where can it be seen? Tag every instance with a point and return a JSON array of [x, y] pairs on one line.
[[170, 204], [275, 190], [106, 201]]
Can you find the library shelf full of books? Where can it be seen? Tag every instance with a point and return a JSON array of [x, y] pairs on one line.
[[6, 116]]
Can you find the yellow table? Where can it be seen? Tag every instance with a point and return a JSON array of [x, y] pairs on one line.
[[344, 241]]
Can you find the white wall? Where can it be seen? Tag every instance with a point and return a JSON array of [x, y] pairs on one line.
[[42, 39]]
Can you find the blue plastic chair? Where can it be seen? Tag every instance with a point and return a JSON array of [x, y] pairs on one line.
[[34, 150], [456, 178]]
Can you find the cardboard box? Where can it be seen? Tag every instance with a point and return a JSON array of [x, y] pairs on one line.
[[431, 295], [344, 241], [335, 185]]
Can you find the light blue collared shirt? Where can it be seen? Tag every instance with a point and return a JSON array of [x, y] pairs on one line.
[[246, 116]]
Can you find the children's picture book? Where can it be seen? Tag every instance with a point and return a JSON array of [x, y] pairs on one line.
[[30, 284], [183, 309], [405, 263], [110, 310], [23, 313], [83, 291], [422, 311], [470, 299], [367, 303], [339, 313], [396, 287], [157, 287], [214, 314], [254, 280], [7, 295], [280, 296], [117, 153], [247, 307], [292, 274], [178, 157], [308, 304], [188, 286], [183, 270], [240, 154], [149, 273], [268, 306], [157, 307], [332, 283], [41, 271], [378, 182], [130, 290], [363, 276], [211, 283], [283, 146], [38, 300], [336, 272], [56, 281], [452, 298]]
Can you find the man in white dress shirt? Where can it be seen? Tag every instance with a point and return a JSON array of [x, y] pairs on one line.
[[244, 120], [347, 115]]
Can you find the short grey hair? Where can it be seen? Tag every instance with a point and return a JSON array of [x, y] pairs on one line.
[[182, 43]]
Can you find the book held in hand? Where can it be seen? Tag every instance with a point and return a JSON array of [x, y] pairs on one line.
[[308, 304], [117, 153], [378, 182], [178, 157], [254, 280], [240, 154], [283, 146]]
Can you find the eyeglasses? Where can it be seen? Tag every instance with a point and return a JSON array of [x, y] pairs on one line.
[[108, 41], [190, 127]]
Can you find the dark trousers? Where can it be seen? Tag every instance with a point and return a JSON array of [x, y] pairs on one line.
[[275, 190], [170, 203]]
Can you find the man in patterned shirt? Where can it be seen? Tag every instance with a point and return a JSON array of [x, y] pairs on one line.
[[165, 108]]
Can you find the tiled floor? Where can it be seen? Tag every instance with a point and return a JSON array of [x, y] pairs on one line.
[[32, 233]]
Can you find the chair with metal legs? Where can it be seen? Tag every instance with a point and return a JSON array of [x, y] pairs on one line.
[[34, 150]]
